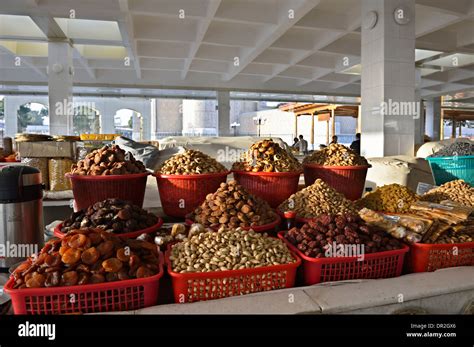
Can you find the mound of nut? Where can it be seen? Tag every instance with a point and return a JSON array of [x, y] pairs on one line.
[[112, 215], [267, 156], [336, 155], [392, 198], [317, 199], [176, 233], [455, 149], [108, 160], [317, 238], [232, 206], [457, 191], [226, 249], [191, 162], [87, 256]]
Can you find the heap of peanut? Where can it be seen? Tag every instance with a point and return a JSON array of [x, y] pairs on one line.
[[267, 156], [317, 199], [228, 250], [457, 191], [392, 198], [336, 155], [108, 160], [191, 162], [232, 206]]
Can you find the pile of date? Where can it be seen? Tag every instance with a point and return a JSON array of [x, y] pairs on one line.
[[87, 256]]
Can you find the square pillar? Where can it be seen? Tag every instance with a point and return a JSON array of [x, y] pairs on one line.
[[60, 78], [433, 118], [389, 107], [223, 113]]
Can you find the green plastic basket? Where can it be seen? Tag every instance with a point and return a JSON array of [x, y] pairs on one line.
[[447, 169]]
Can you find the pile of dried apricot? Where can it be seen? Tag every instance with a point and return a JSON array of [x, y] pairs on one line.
[[87, 256]]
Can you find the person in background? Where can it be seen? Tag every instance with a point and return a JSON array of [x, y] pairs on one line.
[[295, 143], [334, 140], [303, 144], [355, 145]]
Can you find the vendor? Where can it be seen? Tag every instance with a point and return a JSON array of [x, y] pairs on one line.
[[334, 140], [295, 143], [355, 145], [303, 145]]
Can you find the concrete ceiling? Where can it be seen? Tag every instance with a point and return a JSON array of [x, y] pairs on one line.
[[296, 46]]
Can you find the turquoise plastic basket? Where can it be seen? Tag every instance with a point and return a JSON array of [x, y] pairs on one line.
[[447, 169]]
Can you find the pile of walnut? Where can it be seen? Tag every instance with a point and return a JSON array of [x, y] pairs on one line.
[[108, 160], [317, 238], [267, 156], [191, 162], [317, 199], [457, 191], [392, 198], [112, 215], [336, 155], [225, 250], [231, 205], [87, 256]]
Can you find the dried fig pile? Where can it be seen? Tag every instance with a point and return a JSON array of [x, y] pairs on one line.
[[232, 206], [112, 215], [267, 156], [191, 162], [87, 256], [108, 160], [317, 238], [335, 155], [317, 199]]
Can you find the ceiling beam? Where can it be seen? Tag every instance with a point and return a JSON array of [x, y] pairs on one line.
[[272, 34], [25, 60], [53, 31], [211, 11], [127, 33]]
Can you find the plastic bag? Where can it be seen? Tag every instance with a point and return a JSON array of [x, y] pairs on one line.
[[57, 171]]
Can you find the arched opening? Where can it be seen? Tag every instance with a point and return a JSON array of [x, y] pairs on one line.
[[33, 118], [86, 120], [129, 123]]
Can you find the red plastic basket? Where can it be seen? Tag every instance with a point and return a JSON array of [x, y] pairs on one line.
[[273, 187], [431, 257], [88, 190], [192, 287], [58, 233], [259, 228], [90, 298], [348, 180], [375, 265], [181, 194]]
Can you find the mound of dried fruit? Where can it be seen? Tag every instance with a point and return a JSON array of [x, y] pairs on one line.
[[335, 155], [457, 191], [392, 198], [112, 215], [191, 162], [228, 250], [108, 160], [231, 205], [317, 199], [87, 256], [267, 156], [317, 238]]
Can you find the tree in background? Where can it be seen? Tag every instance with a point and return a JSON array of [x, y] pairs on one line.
[[26, 117], [86, 121]]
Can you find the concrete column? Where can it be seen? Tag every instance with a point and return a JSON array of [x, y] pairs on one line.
[[60, 71], [295, 127], [11, 106], [419, 120], [433, 118], [388, 79], [223, 113]]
